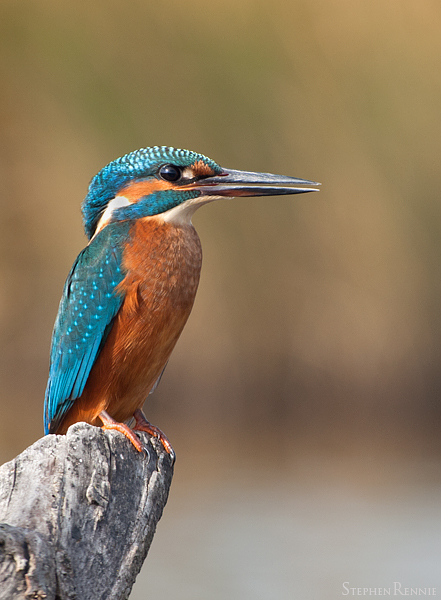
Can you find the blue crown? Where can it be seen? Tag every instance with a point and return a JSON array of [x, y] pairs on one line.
[[135, 165]]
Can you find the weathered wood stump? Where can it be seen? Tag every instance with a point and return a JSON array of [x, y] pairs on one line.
[[78, 514]]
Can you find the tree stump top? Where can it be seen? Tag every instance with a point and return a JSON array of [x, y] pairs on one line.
[[78, 514]]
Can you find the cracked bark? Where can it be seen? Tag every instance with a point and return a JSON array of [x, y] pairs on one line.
[[78, 514]]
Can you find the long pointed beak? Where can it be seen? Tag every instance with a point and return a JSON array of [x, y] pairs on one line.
[[246, 183]]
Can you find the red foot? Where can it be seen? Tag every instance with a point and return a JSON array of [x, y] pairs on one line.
[[109, 423], [143, 425]]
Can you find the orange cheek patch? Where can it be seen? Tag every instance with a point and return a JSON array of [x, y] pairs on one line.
[[136, 190], [199, 168]]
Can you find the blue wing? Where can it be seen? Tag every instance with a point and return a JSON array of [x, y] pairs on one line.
[[88, 306]]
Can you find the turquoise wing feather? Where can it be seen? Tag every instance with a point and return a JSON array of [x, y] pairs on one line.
[[88, 306]]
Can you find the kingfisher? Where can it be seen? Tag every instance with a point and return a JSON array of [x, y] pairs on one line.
[[130, 291]]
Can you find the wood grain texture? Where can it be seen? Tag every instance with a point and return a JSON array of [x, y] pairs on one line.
[[78, 514]]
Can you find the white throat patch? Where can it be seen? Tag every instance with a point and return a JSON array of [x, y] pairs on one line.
[[181, 214]]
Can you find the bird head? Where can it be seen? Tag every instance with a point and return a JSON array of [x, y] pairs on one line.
[[172, 183]]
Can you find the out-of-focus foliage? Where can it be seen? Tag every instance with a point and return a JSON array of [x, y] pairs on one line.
[[317, 316]]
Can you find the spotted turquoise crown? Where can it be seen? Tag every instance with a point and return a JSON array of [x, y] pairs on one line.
[[139, 164]]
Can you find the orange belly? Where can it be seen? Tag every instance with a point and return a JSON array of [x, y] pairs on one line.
[[163, 264]]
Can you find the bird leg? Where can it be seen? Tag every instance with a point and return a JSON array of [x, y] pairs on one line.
[[109, 423], [143, 425]]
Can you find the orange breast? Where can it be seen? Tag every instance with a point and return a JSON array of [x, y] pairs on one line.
[[163, 264]]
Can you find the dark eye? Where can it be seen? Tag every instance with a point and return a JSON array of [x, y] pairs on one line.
[[170, 173]]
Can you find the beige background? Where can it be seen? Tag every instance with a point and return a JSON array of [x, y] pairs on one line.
[[310, 367]]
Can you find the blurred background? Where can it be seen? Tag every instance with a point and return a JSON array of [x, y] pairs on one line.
[[303, 399]]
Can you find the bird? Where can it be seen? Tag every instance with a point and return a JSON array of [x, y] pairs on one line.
[[131, 289]]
